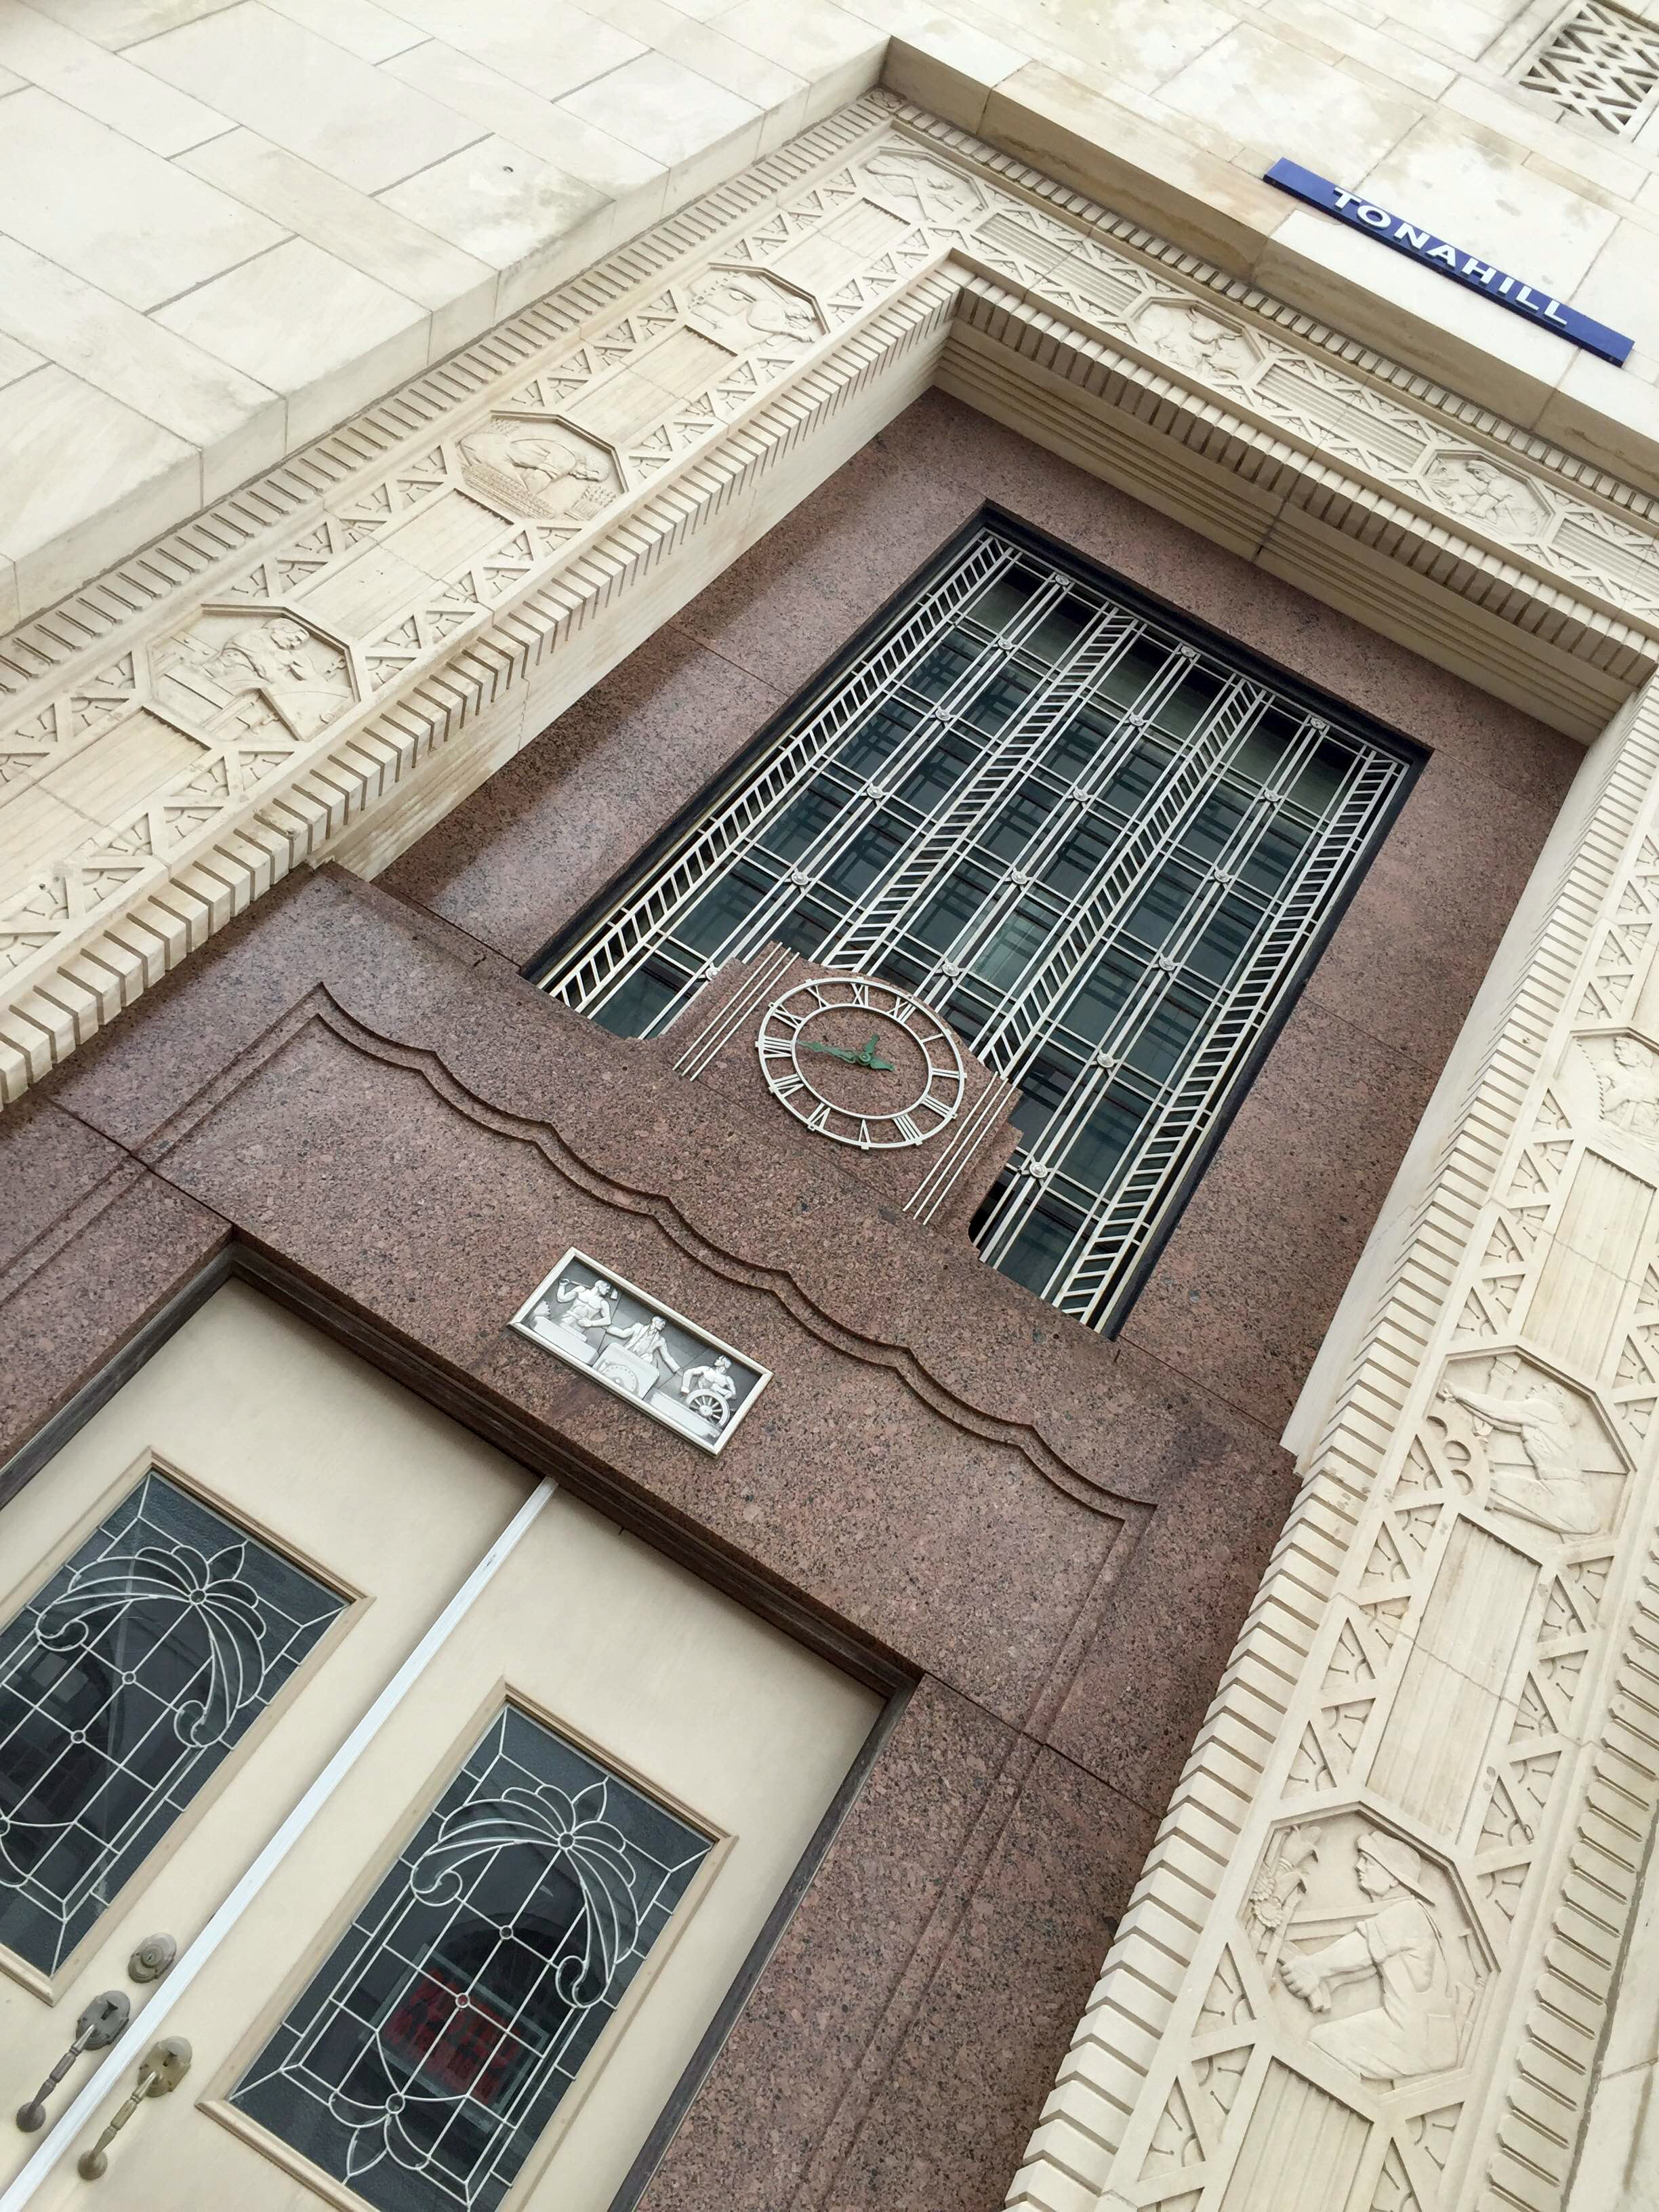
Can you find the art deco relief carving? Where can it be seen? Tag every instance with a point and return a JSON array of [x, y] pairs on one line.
[[249, 667], [1398, 1868], [743, 307], [1195, 338], [642, 1350], [1374, 1960], [535, 464], [425, 549], [1471, 485], [1537, 1449]]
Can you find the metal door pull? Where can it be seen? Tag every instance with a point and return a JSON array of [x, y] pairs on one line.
[[162, 2068], [98, 2026]]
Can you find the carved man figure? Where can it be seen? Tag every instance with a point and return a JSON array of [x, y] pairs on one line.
[[1475, 487], [1630, 1094], [631, 1362], [530, 467], [303, 678], [709, 1390], [942, 196], [1415, 2028], [1557, 1497], [591, 1304], [755, 307], [1203, 342]]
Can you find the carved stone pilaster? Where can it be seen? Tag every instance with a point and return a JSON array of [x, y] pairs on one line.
[[1452, 1666]]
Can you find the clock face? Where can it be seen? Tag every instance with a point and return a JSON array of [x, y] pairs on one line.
[[861, 1061]]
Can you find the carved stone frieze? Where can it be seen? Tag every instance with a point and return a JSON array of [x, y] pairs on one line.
[[1399, 1868], [366, 625]]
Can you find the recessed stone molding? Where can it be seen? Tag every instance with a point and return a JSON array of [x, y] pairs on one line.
[[361, 637]]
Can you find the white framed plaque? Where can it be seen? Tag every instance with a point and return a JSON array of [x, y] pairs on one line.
[[639, 1349]]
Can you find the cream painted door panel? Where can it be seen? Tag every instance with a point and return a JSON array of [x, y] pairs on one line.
[[263, 1527], [499, 1978]]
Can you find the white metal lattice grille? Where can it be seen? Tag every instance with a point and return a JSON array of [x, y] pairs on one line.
[[1102, 850], [1598, 62]]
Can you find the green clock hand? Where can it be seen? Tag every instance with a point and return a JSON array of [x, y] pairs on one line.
[[865, 1057]]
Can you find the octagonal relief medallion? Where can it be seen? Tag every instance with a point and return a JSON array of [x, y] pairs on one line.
[[1372, 1954], [1187, 336], [537, 465], [742, 309], [249, 665], [926, 190], [1530, 1445], [1477, 489]]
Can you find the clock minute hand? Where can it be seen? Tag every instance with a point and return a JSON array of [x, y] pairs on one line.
[[835, 1051]]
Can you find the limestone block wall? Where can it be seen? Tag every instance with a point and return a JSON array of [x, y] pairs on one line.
[[227, 225]]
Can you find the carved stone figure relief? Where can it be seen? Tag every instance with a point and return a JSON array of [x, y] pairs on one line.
[[1539, 1449], [1627, 1070], [1372, 1956], [539, 466], [231, 665], [642, 1350], [938, 193], [1194, 337], [1470, 485], [741, 307]]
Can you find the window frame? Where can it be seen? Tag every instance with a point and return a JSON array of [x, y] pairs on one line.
[[576, 939]]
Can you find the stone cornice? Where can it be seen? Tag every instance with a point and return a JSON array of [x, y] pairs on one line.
[[326, 661]]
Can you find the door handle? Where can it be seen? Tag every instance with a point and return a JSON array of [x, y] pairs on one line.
[[98, 2026], [161, 2069]]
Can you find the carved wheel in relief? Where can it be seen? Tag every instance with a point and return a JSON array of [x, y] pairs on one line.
[[861, 1062]]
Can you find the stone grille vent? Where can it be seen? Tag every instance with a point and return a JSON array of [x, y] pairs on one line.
[[1598, 62]]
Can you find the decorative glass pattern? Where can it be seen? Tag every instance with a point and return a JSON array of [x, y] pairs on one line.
[[1104, 850], [123, 1684], [1598, 62], [426, 2056]]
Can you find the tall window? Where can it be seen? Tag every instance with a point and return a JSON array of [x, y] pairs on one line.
[[1103, 844]]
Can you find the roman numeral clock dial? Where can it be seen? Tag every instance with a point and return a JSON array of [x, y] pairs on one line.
[[861, 1061]]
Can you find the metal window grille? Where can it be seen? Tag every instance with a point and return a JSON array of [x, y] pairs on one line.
[[432, 2047], [1598, 62], [1103, 845], [123, 1684]]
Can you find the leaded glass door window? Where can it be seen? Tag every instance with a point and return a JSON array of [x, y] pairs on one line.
[[477, 1974], [124, 1683], [1104, 844], [423, 2061]]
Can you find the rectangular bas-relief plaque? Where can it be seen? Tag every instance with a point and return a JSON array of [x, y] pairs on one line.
[[645, 1351]]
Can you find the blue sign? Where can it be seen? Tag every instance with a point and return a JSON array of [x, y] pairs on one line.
[[1529, 300]]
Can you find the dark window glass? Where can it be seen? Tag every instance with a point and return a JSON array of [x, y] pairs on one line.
[[429, 2052], [123, 1684], [1085, 840]]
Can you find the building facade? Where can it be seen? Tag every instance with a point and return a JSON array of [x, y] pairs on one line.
[[831, 1055]]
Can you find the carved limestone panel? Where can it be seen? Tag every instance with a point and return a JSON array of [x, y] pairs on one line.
[[642, 1350], [1433, 1757], [535, 464], [247, 667]]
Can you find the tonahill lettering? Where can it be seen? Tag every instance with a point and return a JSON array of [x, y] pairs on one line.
[[1445, 259]]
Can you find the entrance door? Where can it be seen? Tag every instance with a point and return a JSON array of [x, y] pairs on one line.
[[474, 1977]]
